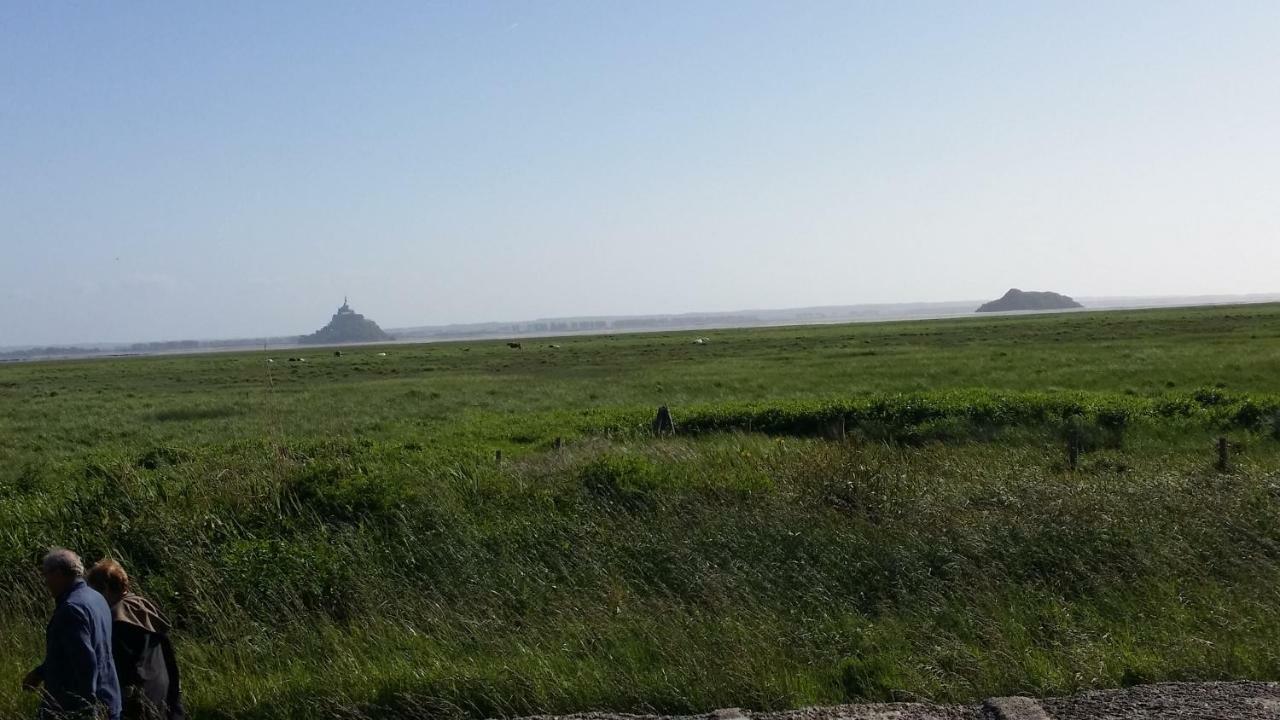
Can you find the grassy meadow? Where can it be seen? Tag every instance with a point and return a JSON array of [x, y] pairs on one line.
[[338, 539]]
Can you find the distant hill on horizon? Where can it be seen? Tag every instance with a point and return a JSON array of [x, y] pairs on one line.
[[1016, 299], [588, 325], [347, 326]]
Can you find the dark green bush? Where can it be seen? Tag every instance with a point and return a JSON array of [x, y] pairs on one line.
[[1210, 397], [866, 679], [339, 492], [155, 457]]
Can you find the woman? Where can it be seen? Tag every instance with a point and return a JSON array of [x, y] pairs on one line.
[[144, 657]]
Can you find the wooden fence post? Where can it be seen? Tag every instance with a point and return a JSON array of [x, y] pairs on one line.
[[663, 424]]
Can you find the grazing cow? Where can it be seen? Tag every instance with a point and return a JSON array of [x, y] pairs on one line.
[[337, 353], [382, 354], [297, 359], [555, 347], [270, 360], [513, 345]]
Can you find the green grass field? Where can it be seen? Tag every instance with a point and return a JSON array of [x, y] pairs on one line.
[[336, 539]]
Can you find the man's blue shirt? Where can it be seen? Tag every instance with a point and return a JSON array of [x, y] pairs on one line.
[[78, 669]]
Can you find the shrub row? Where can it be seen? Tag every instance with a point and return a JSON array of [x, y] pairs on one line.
[[970, 413]]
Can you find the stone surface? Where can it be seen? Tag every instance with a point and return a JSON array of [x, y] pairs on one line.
[[1014, 708], [879, 711], [1202, 701], [1168, 701]]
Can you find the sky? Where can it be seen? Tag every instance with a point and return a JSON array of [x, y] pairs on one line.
[[233, 169]]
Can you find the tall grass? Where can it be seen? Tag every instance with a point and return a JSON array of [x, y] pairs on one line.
[[352, 579]]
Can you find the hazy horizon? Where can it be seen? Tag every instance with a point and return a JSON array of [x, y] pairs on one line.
[[768, 317], [233, 170]]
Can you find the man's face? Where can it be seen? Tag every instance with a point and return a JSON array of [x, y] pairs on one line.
[[57, 582]]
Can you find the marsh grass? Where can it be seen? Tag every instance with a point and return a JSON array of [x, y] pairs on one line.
[[344, 545]]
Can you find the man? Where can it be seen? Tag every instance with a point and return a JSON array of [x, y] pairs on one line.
[[78, 672]]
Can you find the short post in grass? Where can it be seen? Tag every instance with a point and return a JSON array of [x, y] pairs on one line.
[[663, 424], [497, 457], [1224, 455], [1075, 441], [559, 443]]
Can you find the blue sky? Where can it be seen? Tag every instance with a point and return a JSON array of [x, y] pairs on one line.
[[231, 169]]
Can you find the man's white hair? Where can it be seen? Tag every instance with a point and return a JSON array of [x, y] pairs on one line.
[[64, 561]]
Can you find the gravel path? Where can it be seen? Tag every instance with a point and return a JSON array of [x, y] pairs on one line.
[[1203, 701], [1168, 701], [887, 711]]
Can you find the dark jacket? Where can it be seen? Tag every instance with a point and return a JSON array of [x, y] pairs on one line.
[[145, 661], [78, 671]]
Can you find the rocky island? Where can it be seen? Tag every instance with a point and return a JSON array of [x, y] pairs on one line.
[[347, 326], [1017, 299]]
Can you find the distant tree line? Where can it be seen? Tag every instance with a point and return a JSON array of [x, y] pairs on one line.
[[165, 346]]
